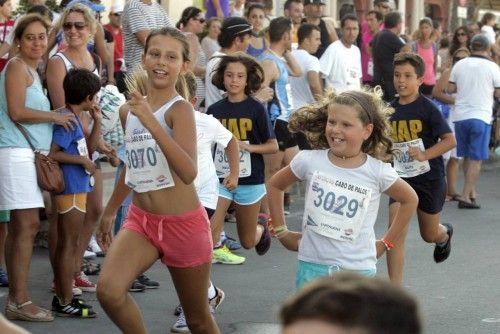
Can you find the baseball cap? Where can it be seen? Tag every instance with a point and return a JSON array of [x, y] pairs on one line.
[[479, 43], [235, 26], [92, 5], [314, 2], [117, 7]]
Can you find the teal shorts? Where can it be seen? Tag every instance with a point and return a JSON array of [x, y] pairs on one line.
[[4, 216], [244, 194], [307, 272]]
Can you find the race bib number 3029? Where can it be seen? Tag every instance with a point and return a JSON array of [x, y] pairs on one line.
[[336, 208]]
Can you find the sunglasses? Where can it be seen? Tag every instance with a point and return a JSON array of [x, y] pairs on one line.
[[77, 25], [200, 19]]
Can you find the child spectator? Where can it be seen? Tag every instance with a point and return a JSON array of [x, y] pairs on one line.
[[71, 150]]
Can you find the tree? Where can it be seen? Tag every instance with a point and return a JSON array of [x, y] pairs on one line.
[[23, 6]]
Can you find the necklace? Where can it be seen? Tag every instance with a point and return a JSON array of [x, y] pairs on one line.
[[343, 157]]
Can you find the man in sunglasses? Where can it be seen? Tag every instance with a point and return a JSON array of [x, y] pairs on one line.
[[115, 28]]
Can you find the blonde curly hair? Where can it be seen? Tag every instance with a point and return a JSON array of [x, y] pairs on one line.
[[311, 120]]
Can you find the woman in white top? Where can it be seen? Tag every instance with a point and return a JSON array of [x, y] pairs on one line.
[[209, 43]]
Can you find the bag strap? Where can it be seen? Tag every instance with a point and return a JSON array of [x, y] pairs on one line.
[[26, 135]]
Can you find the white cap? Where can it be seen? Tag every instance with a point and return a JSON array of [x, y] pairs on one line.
[[117, 7]]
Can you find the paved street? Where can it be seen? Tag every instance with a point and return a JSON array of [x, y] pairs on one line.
[[459, 296]]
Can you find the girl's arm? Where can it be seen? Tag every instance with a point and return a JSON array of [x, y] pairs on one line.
[[276, 186], [269, 147], [446, 143], [402, 193], [233, 155], [16, 82], [120, 193], [65, 158]]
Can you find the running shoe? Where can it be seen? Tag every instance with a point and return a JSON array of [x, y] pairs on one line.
[[265, 240], [73, 310], [180, 325], [94, 247], [83, 283], [4, 279], [82, 302], [441, 253], [89, 254], [230, 243], [148, 283], [137, 287], [215, 302], [224, 256]]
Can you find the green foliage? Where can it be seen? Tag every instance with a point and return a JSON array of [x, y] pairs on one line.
[[23, 6]]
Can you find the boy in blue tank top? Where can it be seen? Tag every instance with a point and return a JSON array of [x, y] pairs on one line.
[[71, 150]]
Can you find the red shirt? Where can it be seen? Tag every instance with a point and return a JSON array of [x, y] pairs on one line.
[[5, 28], [118, 37]]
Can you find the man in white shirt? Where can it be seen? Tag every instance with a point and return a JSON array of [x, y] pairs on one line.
[[307, 87], [476, 80], [341, 63]]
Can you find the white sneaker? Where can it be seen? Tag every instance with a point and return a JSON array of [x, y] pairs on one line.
[[180, 325], [94, 247], [89, 255]]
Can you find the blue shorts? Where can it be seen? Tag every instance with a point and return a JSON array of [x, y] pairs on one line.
[[473, 138], [307, 272], [244, 194]]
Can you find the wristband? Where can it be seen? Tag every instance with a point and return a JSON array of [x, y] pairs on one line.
[[388, 245]]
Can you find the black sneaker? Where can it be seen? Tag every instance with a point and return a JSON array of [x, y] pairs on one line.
[[149, 284], [265, 240], [137, 287], [441, 253], [82, 302], [72, 310]]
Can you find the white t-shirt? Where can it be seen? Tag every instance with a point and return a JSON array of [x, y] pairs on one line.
[[476, 79], [341, 67], [301, 91], [359, 254], [209, 131], [212, 93]]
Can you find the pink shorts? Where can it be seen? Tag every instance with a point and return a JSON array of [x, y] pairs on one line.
[[183, 241]]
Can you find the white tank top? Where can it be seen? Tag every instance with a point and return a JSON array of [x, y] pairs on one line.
[[147, 166]]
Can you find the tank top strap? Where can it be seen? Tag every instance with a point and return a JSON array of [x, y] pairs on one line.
[[67, 63]]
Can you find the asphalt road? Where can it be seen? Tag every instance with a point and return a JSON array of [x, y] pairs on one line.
[[459, 296]]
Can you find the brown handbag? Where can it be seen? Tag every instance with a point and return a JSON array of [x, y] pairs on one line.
[[48, 173]]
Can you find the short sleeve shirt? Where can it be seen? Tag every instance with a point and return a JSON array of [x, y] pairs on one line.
[[301, 91], [420, 119]]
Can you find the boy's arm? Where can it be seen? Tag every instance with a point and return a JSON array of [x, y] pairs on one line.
[[69, 159], [446, 143], [233, 155], [95, 135], [270, 146]]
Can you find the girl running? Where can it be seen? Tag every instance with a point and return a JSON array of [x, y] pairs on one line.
[[166, 218], [344, 183], [240, 76]]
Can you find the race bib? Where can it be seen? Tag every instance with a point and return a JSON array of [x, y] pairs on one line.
[[222, 163], [406, 166], [81, 145], [335, 208], [148, 168]]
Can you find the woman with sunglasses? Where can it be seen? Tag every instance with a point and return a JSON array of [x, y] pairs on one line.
[[439, 93], [79, 25], [23, 101], [191, 24], [461, 39]]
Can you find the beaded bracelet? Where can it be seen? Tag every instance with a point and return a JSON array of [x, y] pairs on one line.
[[388, 245]]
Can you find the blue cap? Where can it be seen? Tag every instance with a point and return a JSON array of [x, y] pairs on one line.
[[92, 5]]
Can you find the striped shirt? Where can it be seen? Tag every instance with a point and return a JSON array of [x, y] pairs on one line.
[[139, 16]]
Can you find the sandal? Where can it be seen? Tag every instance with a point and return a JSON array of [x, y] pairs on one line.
[[16, 312], [453, 197]]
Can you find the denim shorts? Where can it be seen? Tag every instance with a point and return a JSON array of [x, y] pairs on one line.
[[244, 194], [473, 138], [308, 271]]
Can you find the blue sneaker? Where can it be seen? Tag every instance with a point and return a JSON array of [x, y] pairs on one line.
[[4, 279]]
